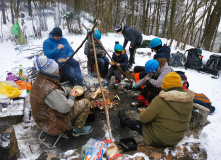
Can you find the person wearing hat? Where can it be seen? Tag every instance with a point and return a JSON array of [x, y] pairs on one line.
[[102, 60], [156, 70], [162, 51], [132, 35], [121, 59], [53, 108], [57, 48], [167, 118]]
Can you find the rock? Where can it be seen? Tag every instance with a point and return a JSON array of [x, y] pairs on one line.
[[8, 144]]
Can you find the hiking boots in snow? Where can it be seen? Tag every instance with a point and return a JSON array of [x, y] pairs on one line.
[[123, 117], [81, 131], [137, 104]]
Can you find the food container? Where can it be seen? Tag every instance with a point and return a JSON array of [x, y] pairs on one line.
[[62, 60], [79, 89], [128, 144], [111, 63]]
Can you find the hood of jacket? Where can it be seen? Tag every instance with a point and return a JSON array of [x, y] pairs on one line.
[[178, 95], [124, 27]]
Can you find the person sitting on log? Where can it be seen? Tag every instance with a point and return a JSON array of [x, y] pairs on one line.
[[53, 108], [57, 48], [102, 60], [121, 59], [156, 71], [165, 121]]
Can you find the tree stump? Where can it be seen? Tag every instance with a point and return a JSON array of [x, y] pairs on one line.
[[198, 120], [8, 144]]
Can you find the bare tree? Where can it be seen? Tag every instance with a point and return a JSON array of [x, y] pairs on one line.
[[210, 28], [3, 11], [29, 8], [172, 15]]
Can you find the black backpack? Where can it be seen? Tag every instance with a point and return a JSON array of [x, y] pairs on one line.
[[213, 65], [176, 59], [184, 79], [194, 58]]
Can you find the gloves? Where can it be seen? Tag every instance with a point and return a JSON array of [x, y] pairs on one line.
[[99, 53]]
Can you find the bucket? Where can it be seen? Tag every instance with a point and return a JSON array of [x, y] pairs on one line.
[[128, 144]]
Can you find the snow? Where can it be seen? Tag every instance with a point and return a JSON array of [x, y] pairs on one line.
[[209, 138]]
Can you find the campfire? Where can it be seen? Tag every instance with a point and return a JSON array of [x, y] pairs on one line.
[[98, 101]]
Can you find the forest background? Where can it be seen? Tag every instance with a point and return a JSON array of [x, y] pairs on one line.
[[193, 22]]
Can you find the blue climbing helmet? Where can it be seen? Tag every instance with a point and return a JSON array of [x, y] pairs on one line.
[[155, 42], [118, 48], [151, 65], [97, 35]]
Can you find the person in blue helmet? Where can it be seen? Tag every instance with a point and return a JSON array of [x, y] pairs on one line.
[[162, 51], [57, 48], [132, 35], [103, 61], [121, 59], [156, 71]]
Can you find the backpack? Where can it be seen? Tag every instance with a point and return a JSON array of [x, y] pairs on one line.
[[145, 44], [194, 58], [184, 79], [213, 65], [203, 100], [176, 59]]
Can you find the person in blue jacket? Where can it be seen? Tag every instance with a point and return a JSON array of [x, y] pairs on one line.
[[57, 48], [121, 59], [132, 35], [162, 51]]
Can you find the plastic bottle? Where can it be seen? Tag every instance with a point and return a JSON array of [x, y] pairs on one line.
[[20, 70]]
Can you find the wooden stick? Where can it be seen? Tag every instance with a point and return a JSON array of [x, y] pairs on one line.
[[77, 48], [115, 62], [101, 87]]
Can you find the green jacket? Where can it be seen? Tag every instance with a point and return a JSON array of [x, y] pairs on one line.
[[167, 118]]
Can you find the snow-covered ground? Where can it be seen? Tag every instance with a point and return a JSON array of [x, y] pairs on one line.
[[209, 139]]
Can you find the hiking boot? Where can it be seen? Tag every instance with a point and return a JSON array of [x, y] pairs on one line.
[[129, 65], [117, 82], [137, 104], [81, 131], [123, 117]]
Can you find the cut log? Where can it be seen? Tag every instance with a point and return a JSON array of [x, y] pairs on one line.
[[96, 93]]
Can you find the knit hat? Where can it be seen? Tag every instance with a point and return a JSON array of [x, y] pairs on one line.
[[172, 79], [57, 32], [45, 64], [118, 28]]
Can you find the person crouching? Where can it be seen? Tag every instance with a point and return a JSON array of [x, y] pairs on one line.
[[121, 59]]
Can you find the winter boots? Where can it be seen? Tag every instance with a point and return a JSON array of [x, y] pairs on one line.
[[123, 117], [81, 131]]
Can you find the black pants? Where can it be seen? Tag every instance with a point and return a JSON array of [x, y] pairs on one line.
[[141, 70], [152, 90], [132, 52], [134, 125]]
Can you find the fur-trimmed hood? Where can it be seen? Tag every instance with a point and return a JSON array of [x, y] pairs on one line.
[[178, 96]]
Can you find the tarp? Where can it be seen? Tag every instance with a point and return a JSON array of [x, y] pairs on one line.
[[19, 35]]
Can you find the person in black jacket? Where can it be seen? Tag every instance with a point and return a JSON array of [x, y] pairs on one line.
[[121, 59], [132, 35]]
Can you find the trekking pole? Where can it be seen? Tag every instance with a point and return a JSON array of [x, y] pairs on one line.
[[115, 63], [77, 48], [101, 87]]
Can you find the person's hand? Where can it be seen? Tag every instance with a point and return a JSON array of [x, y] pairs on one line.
[[74, 93], [141, 109], [148, 78], [67, 58], [131, 47], [60, 46], [118, 64]]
